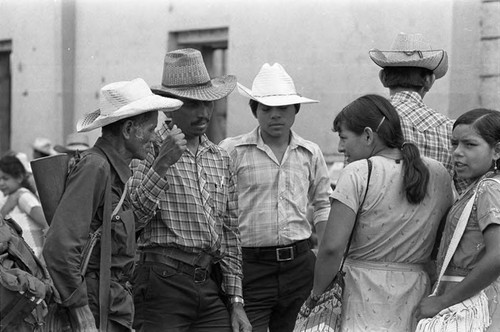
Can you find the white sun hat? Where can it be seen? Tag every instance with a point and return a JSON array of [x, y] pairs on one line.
[[274, 87], [122, 100], [412, 50]]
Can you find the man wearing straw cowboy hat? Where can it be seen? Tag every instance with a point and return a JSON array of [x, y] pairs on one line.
[[95, 186], [278, 174], [189, 215], [409, 70]]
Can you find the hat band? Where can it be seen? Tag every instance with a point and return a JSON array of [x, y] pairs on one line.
[[188, 85], [277, 95]]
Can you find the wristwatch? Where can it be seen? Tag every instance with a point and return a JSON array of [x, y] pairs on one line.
[[237, 299]]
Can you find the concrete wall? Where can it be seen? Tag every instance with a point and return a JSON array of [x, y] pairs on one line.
[[323, 44], [34, 28]]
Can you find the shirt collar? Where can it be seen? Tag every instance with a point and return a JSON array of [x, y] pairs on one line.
[[254, 138], [114, 158], [407, 95]]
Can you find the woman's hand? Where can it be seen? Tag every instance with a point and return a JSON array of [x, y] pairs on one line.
[[429, 307]]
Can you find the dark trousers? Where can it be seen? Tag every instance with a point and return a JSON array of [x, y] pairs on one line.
[[275, 291], [168, 300]]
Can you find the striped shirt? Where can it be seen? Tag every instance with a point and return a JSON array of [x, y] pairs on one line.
[[429, 130], [274, 196], [194, 207]]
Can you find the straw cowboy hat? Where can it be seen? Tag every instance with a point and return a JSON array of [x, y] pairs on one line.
[[122, 100], [273, 87], [411, 50], [43, 145], [185, 76], [74, 142]]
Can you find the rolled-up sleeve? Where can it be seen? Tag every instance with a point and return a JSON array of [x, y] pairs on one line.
[[71, 225], [147, 188], [320, 189], [231, 245]]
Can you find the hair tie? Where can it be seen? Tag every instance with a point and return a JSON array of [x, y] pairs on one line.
[[403, 145]]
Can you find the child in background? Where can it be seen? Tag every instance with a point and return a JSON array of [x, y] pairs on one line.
[[21, 204]]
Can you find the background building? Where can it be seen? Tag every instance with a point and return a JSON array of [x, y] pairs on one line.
[[56, 54]]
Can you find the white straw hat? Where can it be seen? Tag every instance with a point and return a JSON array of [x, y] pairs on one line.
[[412, 50], [273, 87], [122, 100]]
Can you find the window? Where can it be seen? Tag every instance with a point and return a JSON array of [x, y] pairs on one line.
[[5, 96]]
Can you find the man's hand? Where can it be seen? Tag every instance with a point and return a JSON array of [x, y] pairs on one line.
[[82, 319], [171, 150], [239, 320]]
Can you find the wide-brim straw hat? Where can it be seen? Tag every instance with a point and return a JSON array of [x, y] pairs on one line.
[[273, 87], [74, 142], [185, 76], [412, 50], [121, 100]]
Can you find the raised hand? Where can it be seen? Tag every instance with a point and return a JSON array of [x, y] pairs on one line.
[[170, 151]]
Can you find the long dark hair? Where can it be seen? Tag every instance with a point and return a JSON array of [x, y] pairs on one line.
[[11, 165], [377, 113], [486, 122]]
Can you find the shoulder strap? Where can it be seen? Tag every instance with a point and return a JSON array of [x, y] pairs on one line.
[[105, 263], [457, 234], [346, 251]]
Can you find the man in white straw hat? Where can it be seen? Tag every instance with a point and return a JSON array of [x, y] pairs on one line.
[[409, 70], [189, 238], [278, 175], [95, 186]]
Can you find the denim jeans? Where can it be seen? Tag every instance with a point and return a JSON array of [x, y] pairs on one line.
[[275, 291], [168, 300]]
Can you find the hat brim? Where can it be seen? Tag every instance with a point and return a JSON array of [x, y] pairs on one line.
[[94, 120], [434, 60], [73, 148], [217, 88], [275, 100]]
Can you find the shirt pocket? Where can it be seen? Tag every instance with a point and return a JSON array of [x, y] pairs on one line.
[[123, 234], [218, 196]]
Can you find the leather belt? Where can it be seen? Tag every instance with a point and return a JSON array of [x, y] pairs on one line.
[[277, 254], [199, 273]]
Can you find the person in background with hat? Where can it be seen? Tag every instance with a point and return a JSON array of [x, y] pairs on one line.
[[128, 117], [409, 70], [189, 207], [42, 147], [74, 142], [278, 174]]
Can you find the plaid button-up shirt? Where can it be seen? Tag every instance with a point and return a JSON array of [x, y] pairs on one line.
[[194, 207], [274, 196], [429, 130]]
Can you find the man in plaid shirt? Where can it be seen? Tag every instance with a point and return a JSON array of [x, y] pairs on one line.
[[409, 70], [189, 243]]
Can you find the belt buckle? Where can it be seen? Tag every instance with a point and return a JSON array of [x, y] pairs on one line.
[[200, 275], [280, 252]]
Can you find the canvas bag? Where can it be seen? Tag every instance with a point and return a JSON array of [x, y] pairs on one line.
[[324, 315], [470, 315]]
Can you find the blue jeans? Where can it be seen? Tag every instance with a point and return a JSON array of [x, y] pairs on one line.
[[275, 291], [168, 300]]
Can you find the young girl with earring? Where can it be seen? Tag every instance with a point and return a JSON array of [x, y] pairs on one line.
[[21, 204], [474, 268]]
